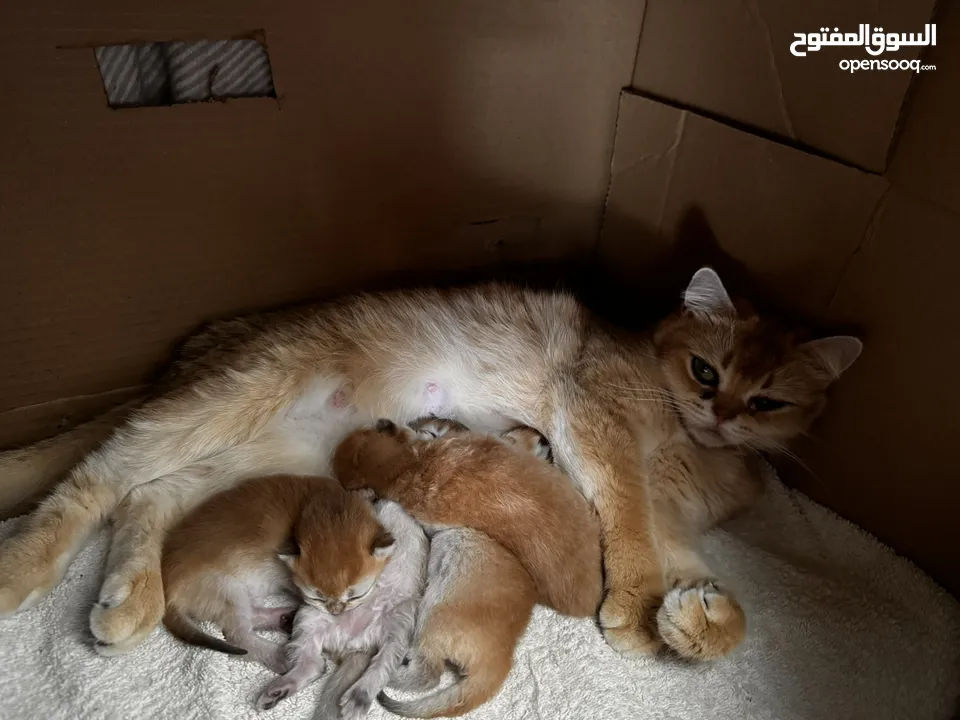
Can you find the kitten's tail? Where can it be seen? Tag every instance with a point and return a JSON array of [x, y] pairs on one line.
[[470, 691], [30, 472], [181, 627]]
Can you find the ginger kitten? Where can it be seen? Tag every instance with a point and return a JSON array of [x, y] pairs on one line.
[[478, 481], [362, 592], [265, 536], [478, 602]]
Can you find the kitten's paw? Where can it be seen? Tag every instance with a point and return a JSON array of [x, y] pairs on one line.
[[26, 572], [128, 610], [626, 618], [528, 440], [355, 703], [701, 621], [275, 692]]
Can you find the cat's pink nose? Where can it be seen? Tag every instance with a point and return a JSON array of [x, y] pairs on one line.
[[723, 413]]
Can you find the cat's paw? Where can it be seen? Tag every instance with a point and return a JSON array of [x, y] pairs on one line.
[[701, 620], [627, 621], [27, 573], [355, 703], [127, 611], [275, 692]]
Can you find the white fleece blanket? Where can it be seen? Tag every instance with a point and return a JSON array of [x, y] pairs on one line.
[[840, 629]]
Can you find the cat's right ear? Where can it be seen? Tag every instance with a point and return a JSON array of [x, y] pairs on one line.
[[289, 552], [705, 295]]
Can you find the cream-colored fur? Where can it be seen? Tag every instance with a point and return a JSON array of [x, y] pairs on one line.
[[275, 393]]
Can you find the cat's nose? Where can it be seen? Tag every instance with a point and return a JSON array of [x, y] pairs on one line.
[[723, 412], [335, 608]]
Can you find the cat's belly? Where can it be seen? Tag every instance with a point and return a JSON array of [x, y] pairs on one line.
[[330, 408]]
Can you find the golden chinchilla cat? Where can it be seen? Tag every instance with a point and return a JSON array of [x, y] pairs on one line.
[[652, 429]]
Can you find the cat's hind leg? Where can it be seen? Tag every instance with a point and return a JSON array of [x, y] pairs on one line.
[[351, 668], [131, 603], [238, 629], [167, 434]]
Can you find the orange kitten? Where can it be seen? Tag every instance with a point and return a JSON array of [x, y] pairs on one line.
[[478, 602], [478, 481], [239, 547]]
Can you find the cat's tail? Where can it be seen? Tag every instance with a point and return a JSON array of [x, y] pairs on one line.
[[473, 688], [183, 628], [28, 473]]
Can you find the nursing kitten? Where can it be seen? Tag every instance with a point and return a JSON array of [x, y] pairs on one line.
[[361, 595], [654, 429], [478, 481], [478, 602], [223, 560]]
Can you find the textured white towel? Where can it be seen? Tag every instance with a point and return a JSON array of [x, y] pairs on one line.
[[840, 629]]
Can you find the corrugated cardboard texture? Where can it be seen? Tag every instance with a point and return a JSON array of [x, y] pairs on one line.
[[407, 136], [792, 219], [888, 458], [732, 58], [926, 161], [838, 246]]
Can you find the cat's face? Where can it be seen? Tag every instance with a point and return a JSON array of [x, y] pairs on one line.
[[341, 551], [736, 379]]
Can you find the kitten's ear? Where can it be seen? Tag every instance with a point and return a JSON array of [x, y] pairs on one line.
[[289, 551], [837, 353], [705, 295], [382, 545]]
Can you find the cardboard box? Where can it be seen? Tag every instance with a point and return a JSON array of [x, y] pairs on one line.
[[406, 137], [732, 58], [423, 138]]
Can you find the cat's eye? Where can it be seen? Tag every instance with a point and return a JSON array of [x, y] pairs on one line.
[[761, 403], [703, 372]]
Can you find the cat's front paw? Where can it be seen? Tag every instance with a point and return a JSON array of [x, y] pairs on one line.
[[355, 703], [700, 620], [130, 606], [627, 618]]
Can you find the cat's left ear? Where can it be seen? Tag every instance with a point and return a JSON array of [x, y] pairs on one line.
[[382, 545], [837, 353], [706, 295]]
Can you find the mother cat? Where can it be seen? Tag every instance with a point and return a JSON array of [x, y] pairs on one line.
[[653, 430]]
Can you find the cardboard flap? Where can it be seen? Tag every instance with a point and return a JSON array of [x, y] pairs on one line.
[[926, 160], [732, 58], [791, 218]]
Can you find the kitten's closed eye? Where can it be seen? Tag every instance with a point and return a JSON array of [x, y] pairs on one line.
[[703, 372], [766, 404]]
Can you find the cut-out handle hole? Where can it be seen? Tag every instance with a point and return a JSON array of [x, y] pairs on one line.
[[171, 73]]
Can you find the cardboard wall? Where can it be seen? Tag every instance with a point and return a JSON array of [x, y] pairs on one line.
[[407, 136], [732, 59]]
